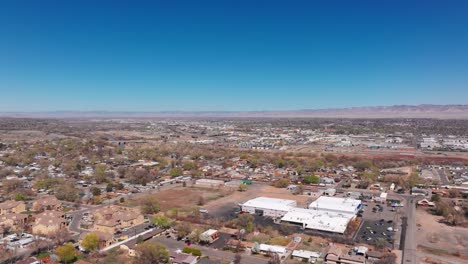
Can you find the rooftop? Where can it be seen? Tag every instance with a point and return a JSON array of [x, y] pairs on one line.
[[319, 220], [271, 203], [325, 203]]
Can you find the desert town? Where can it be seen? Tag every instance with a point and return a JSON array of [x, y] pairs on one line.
[[127, 194]]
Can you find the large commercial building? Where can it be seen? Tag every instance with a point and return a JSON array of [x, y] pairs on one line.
[[336, 205], [318, 220], [329, 214], [268, 206]]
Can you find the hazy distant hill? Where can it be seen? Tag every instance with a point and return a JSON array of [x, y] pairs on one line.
[[396, 111]]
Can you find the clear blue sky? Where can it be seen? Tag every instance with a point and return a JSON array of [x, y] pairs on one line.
[[231, 55]]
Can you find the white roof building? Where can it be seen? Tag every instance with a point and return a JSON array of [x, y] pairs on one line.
[[268, 206], [305, 254], [336, 204], [272, 249], [319, 219]]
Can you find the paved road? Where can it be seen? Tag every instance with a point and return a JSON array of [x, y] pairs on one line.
[[442, 176], [410, 255], [173, 245]]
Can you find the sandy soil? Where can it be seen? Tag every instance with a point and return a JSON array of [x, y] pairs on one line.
[[185, 197], [439, 242]]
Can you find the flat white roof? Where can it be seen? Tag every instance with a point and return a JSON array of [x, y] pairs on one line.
[[305, 254], [319, 220], [326, 203], [271, 203], [209, 232], [273, 249], [383, 195]]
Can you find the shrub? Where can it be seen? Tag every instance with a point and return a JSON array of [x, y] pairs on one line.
[[193, 251]]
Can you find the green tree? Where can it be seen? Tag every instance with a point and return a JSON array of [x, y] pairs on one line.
[[100, 173], [150, 253], [150, 205], [193, 251], [119, 186], [311, 179], [90, 241], [283, 183], [245, 221], [280, 163], [109, 187], [189, 166], [175, 172], [19, 197], [243, 187], [363, 165], [95, 191], [413, 179], [435, 197], [162, 221], [66, 253]]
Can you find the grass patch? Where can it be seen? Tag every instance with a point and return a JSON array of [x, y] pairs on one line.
[[43, 255]]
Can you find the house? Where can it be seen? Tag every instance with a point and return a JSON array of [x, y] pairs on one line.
[[183, 258], [333, 255], [48, 223], [425, 202], [234, 243], [47, 202], [305, 255], [382, 198], [14, 221], [113, 218], [267, 249], [107, 226], [12, 206], [352, 259], [209, 236], [208, 183]]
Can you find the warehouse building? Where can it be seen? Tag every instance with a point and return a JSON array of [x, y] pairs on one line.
[[268, 206], [318, 220], [336, 205]]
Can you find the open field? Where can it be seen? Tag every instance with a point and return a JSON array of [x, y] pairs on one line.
[[184, 197], [440, 241]]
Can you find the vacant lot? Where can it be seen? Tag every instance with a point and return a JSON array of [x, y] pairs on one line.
[[440, 241], [185, 197]]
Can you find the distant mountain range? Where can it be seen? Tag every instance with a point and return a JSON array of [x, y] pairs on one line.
[[396, 111]]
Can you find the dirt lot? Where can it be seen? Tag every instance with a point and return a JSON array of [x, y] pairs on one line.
[[186, 197], [440, 242], [224, 206]]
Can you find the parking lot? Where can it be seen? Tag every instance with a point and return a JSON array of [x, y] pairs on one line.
[[376, 231], [379, 224]]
